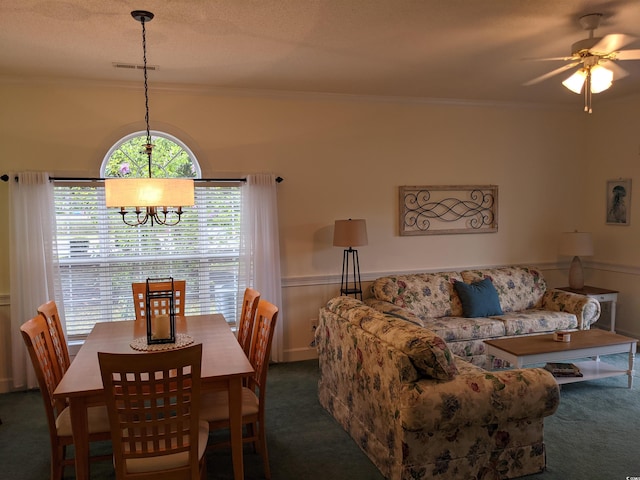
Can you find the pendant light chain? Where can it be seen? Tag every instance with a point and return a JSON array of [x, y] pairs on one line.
[[148, 146]]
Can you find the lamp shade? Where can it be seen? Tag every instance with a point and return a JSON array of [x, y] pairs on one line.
[[576, 81], [149, 192], [350, 233], [601, 78], [578, 244]]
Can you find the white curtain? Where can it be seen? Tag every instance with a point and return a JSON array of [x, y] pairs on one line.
[[33, 265], [260, 247]]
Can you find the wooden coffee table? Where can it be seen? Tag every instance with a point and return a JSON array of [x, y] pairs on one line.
[[530, 349]]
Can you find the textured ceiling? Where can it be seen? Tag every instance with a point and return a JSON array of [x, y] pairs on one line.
[[453, 49]]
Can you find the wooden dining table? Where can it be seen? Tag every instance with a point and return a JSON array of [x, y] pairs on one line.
[[224, 364]]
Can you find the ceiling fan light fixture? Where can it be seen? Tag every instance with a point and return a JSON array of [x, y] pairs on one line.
[[601, 78], [589, 55], [576, 81]]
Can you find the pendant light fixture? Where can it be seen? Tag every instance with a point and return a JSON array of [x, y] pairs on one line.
[[156, 200]]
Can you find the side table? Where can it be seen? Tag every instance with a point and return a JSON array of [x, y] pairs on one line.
[[600, 294]]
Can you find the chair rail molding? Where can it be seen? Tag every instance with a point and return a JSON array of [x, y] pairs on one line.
[[309, 280]]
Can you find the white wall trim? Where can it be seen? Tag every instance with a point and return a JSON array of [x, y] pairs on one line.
[[6, 385], [611, 267], [305, 281], [67, 82], [311, 280], [300, 354]]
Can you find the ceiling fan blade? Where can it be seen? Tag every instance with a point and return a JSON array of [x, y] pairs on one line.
[[628, 55], [612, 43], [544, 59], [618, 72], [551, 74]]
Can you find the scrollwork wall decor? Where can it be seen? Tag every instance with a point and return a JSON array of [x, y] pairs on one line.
[[437, 210]]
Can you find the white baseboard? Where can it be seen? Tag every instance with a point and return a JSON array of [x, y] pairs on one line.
[[6, 385], [300, 354]]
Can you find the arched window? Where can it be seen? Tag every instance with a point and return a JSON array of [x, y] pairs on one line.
[[100, 256], [170, 159]]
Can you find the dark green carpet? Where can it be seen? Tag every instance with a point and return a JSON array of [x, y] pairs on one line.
[[593, 435]]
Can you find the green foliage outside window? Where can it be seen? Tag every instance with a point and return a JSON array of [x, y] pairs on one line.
[[168, 160]]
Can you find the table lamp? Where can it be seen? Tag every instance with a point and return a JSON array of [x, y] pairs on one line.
[[576, 244], [350, 233]]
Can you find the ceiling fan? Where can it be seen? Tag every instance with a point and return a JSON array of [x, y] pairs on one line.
[[595, 58]]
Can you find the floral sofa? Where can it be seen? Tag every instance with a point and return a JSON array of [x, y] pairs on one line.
[[431, 300], [419, 411]]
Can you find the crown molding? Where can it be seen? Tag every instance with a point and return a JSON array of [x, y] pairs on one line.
[[200, 89]]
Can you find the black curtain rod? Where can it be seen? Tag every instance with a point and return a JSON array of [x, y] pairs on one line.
[[5, 178]]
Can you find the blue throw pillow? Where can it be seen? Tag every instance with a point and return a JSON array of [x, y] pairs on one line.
[[479, 299]]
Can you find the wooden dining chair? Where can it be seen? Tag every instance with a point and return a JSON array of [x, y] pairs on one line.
[[215, 405], [140, 296], [247, 319], [49, 311], [153, 402], [37, 338]]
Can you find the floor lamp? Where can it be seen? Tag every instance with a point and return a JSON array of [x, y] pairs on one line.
[[576, 244], [350, 233]]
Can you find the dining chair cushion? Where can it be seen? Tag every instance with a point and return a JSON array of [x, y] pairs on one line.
[[97, 416], [166, 462], [215, 405]]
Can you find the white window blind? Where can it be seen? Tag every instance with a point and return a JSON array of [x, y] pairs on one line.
[[100, 256]]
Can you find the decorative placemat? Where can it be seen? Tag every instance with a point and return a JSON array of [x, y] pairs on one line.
[[182, 340]]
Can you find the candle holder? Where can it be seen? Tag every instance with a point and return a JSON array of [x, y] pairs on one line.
[[161, 318]]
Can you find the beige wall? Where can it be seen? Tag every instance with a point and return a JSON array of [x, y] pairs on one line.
[[346, 157], [613, 146]]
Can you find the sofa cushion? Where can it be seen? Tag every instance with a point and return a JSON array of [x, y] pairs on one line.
[[519, 288], [455, 329], [427, 351], [423, 294], [537, 321], [479, 299]]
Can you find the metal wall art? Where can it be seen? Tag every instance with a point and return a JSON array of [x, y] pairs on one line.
[[438, 210], [619, 201]]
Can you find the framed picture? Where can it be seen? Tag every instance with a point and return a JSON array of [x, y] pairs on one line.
[[619, 202], [438, 210]]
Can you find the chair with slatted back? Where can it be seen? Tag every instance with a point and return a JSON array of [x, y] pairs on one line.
[[49, 311], [140, 296], [215, 405], [247, 318], [153, 400], [37, 338]]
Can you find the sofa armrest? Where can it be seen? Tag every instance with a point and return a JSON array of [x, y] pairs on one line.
[[480, 398], [586, 309], [393, 310]]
